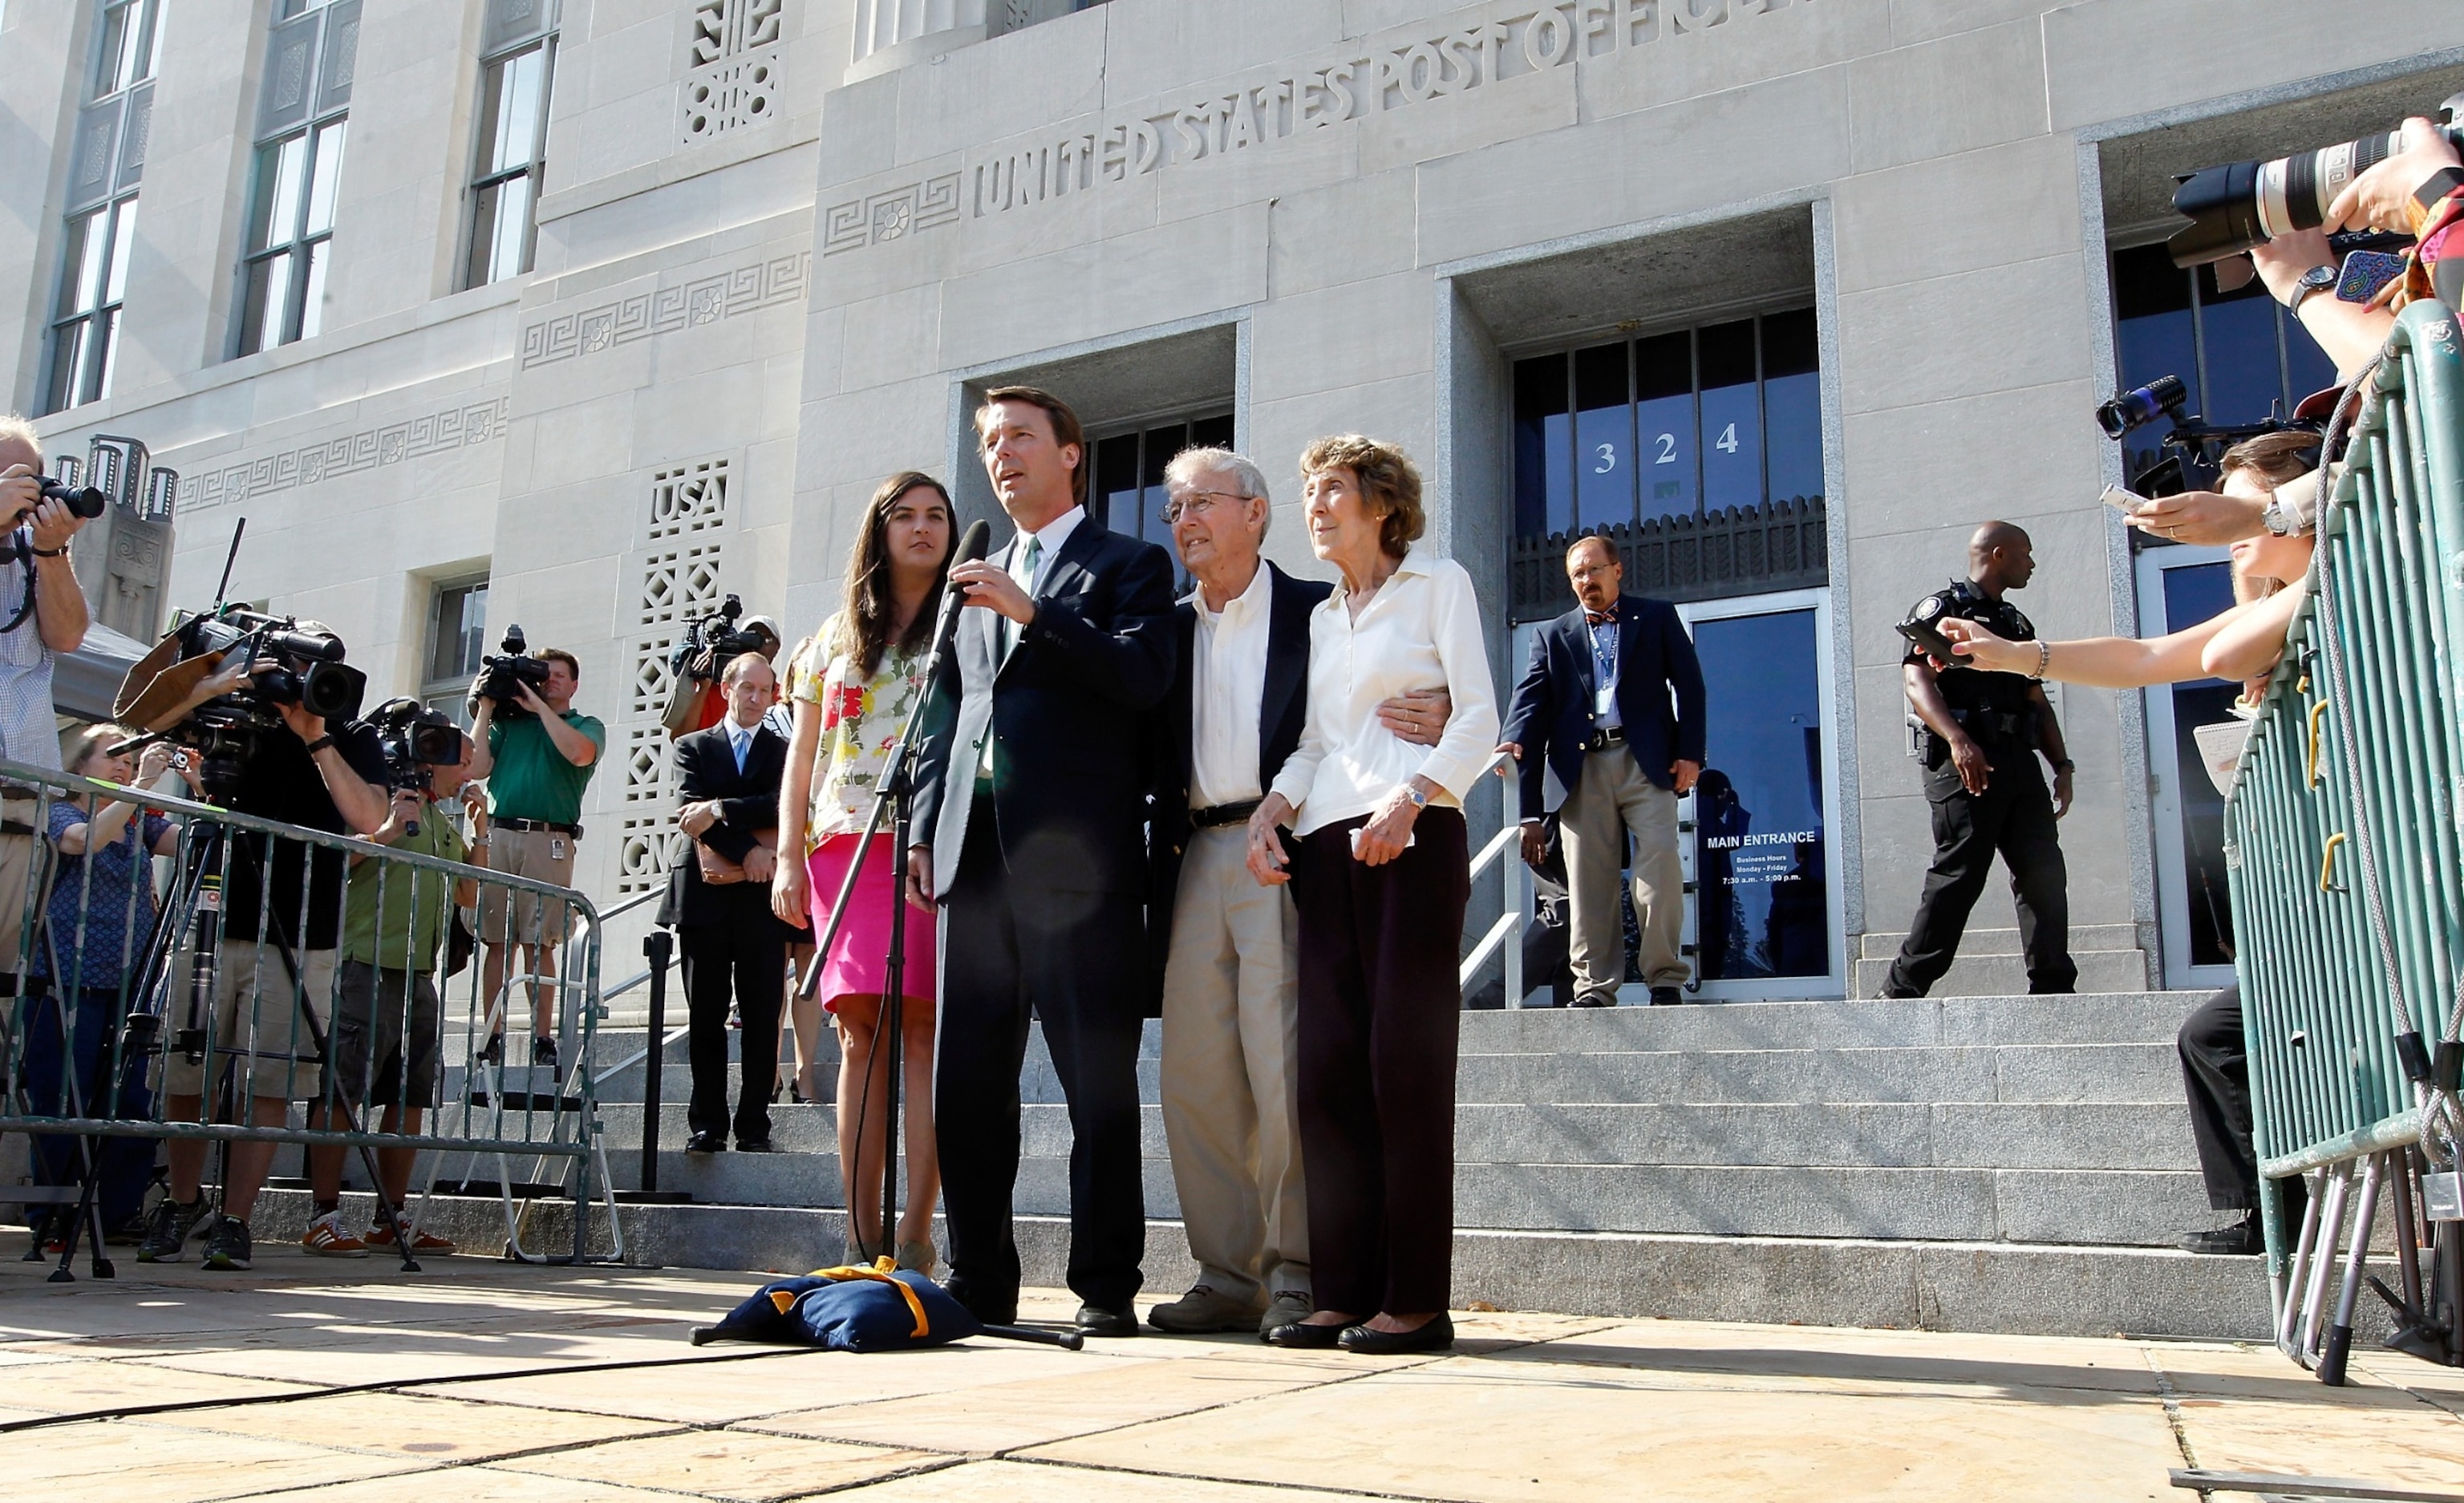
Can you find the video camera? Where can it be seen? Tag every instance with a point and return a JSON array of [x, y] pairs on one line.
[[716, 641], [416, 739], [301, 667], [2243, 205], [501, 676], [2194, 448]]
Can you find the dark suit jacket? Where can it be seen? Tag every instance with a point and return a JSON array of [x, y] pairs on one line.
[[1066, 710], [1551, 714], [748, 803], [1281, 716]]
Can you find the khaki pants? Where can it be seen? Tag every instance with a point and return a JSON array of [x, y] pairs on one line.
[[543, 856], [256, 1024], [1231, 1109], [1612, 798], [18, 808]]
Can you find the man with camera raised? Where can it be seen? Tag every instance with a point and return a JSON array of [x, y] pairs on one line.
[[40, 593], [537, 755]]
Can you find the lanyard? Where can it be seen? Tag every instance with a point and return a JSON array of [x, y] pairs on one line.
[[1604, 658]]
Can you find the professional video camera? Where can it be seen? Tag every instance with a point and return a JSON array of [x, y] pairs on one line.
[[2192, 448], [715, 641], [501, 676], [292, 662], [416, 739], [2243, 205]]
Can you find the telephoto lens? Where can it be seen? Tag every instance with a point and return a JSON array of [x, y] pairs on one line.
[[84, 499], [2243, 205], [2140, 406]]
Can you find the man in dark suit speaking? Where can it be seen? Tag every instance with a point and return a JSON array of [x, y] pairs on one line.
[[718, 901], [1032, 797], [1594, 708]]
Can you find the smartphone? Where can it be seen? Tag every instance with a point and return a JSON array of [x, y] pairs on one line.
[[2126, 502], [2366, 272], [1933, 642]]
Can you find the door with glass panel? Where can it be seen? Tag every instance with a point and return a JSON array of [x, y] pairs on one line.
[[2178, 588]]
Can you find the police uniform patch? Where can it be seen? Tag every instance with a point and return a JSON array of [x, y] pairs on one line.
[[1928, 608]]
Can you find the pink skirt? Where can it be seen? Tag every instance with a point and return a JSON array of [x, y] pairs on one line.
[[855, 965]]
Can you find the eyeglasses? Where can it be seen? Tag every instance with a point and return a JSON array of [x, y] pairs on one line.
[[1198, 503]]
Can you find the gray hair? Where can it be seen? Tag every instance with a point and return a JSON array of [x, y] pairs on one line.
[[1190, 463], [14, 426]]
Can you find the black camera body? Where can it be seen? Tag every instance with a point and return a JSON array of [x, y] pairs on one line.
[[716, 641], [84, 499], [2194, 448], [502, 675], [417, 740], [2243, 205], [301, 667]]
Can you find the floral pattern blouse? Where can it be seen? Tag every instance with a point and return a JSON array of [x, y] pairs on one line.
[[861, 719]]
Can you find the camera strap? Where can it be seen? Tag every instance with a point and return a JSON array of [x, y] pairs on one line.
[[23, 538]]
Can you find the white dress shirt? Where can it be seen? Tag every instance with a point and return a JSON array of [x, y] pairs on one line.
[[1049, 540], [1420, 631], [1227, 688], [739, 740]]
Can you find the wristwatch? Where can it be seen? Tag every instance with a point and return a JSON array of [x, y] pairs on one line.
[[2279, 518], [2317, 278], [1412, 792]]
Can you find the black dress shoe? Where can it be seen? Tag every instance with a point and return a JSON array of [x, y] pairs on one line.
[[1438, 1335], [705, 1144], [754, 1145], [1095, 1320], [1666, 997], [2243, 1237], [1301, 1337], [984, 1308]]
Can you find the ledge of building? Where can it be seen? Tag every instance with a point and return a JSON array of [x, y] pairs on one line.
[[682, 165], [914, 50]]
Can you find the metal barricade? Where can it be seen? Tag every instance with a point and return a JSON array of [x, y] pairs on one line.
[[204, 986], [2347, 886]]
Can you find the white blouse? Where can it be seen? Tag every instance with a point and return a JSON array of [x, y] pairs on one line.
[[1420, 631]]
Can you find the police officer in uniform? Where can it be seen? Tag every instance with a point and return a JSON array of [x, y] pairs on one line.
[[1978, 736]]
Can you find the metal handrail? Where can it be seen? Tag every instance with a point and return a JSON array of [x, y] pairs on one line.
[[1506, 933]]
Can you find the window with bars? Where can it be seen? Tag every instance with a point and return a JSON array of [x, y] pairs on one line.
[[2241, 356], [457, 638], [302, 123], [1128, 494], [509, 165], [110, 159]]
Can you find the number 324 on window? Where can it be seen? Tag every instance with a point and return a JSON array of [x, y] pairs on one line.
[[1725, 443]]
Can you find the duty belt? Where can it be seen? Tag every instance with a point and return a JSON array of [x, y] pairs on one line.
[[504, 823], [1215, 816], [1606, 737]]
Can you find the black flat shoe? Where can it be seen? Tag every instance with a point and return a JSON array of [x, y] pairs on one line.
[[705, 1144], [1436, 1336], [1096, 1321], [754, 1145], [1301, 1337]]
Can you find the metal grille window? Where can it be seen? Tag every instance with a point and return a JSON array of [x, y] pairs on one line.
[[510, 165], [110, 159], [1127, 495], [457, 638], [302, 118]]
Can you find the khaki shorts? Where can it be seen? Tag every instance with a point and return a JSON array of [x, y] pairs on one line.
[[20, 810], [258, 1029], [543, 856]]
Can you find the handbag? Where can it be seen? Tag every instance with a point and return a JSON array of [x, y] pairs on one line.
[[718, 871]]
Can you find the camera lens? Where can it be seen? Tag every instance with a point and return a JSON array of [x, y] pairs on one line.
[[2140, 406]]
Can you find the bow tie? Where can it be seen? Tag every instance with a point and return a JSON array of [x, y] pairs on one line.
[[1601, 618]]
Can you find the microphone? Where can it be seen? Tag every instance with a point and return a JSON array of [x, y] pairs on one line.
[[973, 544]]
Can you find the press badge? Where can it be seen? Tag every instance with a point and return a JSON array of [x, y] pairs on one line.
[[556, 848], [1603, 702]]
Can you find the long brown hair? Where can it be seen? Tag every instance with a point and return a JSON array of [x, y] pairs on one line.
[[865, 619]]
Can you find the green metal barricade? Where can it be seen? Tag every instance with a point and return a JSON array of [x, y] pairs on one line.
[[2348, 887]]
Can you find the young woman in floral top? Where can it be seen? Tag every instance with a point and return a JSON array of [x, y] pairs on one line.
[[852, 690]]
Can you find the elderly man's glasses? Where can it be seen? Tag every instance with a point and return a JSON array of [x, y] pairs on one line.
[[1200, 503]]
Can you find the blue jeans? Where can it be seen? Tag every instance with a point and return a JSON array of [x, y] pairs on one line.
[[127, 1163]]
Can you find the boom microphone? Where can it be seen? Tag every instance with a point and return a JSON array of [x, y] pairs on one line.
[[973, 544]]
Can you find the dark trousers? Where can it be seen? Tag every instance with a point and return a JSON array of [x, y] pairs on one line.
[[1013, 943], [2013, 817], [127, 1163], [1379, 1011], [745, 955]]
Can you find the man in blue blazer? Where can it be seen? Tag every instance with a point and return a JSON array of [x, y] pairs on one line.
[[1595, 708]]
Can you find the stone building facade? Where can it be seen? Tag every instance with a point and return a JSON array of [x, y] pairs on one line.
[[582, 314]]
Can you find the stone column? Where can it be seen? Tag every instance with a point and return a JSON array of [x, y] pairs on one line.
[[892, 33]]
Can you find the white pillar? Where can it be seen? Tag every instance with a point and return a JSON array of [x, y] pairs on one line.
[[890, 34]]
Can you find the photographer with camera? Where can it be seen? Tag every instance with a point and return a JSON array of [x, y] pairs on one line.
[[387, 1018], [268, 963], [42, 614], [537, 755]]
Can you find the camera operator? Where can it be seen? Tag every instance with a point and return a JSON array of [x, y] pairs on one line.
[[322, 779], [537, 767], [2242, 643], [387, 1018], [42, 612]]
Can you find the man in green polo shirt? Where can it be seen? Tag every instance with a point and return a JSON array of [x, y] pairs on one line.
[[537, 767]]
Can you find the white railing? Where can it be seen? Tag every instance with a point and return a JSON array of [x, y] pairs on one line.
[[1504, 849]]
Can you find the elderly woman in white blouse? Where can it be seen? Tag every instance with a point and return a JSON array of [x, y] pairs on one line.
[[1379, 870]]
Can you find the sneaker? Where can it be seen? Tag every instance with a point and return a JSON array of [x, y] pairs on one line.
[[1202, 1309], [169, 1228], [2240, 1239], [422, 1243], [1288, 1308], [542, 1053], [228, 1245], [325, 1238]]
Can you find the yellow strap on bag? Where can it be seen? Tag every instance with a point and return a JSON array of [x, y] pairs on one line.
[[880, 1272]]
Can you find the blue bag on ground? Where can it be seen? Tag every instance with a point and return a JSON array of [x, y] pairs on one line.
[[848, 1310]]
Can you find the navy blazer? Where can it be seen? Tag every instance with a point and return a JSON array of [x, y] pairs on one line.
[[1067, 712], [1551, 714]]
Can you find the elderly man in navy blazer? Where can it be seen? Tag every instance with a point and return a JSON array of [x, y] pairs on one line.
[[1595, 708]]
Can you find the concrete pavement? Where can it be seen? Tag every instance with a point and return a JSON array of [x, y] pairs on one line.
[[498, 1381]]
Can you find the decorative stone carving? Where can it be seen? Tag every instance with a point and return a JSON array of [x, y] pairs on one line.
[[733, 52], [664, 310], [683, 532], [891, 215], [457, 426]]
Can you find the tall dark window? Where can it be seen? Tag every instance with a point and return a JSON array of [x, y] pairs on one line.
[[457, 627], [302, 120], [1127, 495], [102, 225], [2241, 356], [510, 166]]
